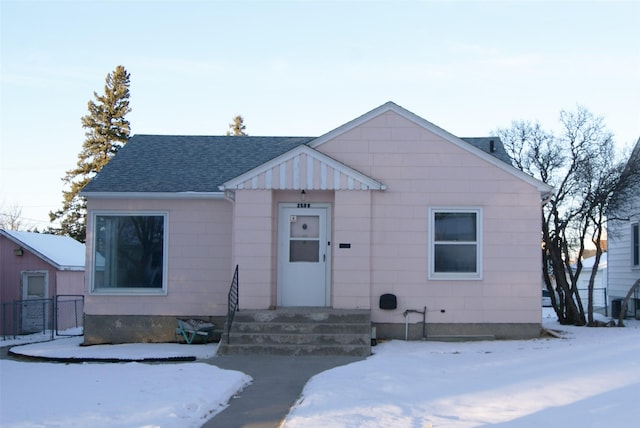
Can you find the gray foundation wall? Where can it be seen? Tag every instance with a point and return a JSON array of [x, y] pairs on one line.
[[113, 329], [102, 329], [484, 331]]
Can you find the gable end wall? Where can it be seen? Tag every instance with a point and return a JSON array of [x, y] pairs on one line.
[[422, 170]]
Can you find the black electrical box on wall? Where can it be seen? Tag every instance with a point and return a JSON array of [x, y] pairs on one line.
[[388, 301]]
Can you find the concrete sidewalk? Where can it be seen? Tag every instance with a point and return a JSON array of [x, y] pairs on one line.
[[277, 384]]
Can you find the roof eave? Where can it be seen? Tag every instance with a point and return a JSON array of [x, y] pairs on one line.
[[153, 195], [38, 254]]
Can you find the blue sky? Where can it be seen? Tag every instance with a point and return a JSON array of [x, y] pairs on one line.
[[301, 69]]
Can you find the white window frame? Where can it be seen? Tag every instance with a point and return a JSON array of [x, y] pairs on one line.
[[142, 291], [465, 276], [24, 277], [634, 241]]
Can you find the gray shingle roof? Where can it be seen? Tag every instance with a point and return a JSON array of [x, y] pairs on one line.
[[484, 144], [170, 163]]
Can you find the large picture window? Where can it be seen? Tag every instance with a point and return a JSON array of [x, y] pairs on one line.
[[455, 244], [129, 252]]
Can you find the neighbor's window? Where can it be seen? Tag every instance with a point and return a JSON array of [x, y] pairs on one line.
[[635, 245], [455, 244], [129, 252]]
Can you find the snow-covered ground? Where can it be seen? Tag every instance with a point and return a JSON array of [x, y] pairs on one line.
[[591, 378], [128, 394]]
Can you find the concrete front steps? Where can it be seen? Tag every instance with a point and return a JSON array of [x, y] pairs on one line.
[[299, 331]]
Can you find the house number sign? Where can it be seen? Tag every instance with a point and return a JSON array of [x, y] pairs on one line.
[[304, 205]]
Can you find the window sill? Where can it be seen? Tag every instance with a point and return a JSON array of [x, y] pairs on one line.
[[128, 292], [455, 277]]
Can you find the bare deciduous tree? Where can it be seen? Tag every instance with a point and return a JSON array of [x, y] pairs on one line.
[[580, 163], [11, 218]]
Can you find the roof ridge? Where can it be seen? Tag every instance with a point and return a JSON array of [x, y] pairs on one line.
[[222, 136]]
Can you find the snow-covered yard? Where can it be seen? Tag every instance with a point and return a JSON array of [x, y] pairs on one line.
[[129, 394], [591, 378]]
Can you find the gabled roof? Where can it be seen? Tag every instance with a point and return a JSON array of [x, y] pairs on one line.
[[175, 166], [62, 252], [303, 168], [477, 146], [587, 264], [172, 164], [634, 157]]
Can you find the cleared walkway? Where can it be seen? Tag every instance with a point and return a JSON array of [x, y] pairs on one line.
[[277, 384]]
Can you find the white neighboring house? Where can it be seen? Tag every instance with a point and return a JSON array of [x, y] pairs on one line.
[[599, 284], [624, 251]]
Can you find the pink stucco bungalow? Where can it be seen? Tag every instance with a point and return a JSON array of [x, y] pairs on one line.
[[387, 203]]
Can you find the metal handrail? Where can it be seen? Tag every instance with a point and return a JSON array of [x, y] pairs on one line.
[[232, 302]]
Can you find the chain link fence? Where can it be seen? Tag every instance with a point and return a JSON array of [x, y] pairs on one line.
[[69, 314], [600, 301], [62, 316]]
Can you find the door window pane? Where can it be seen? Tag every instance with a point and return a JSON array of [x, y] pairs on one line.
[[305, 226], [304, 251], [35, 286]]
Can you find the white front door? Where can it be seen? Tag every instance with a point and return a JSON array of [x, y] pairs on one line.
[[303, 255]]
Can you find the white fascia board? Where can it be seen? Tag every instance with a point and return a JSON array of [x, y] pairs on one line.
[[153, 195]]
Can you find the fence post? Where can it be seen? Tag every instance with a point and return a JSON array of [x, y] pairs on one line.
[[52, 318], [62, 308], [17, 306]]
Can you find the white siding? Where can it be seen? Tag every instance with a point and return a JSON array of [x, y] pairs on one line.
[[621, 274]]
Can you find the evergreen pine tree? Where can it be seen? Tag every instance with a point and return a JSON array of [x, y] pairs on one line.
[[106, 131], [237, 127]]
